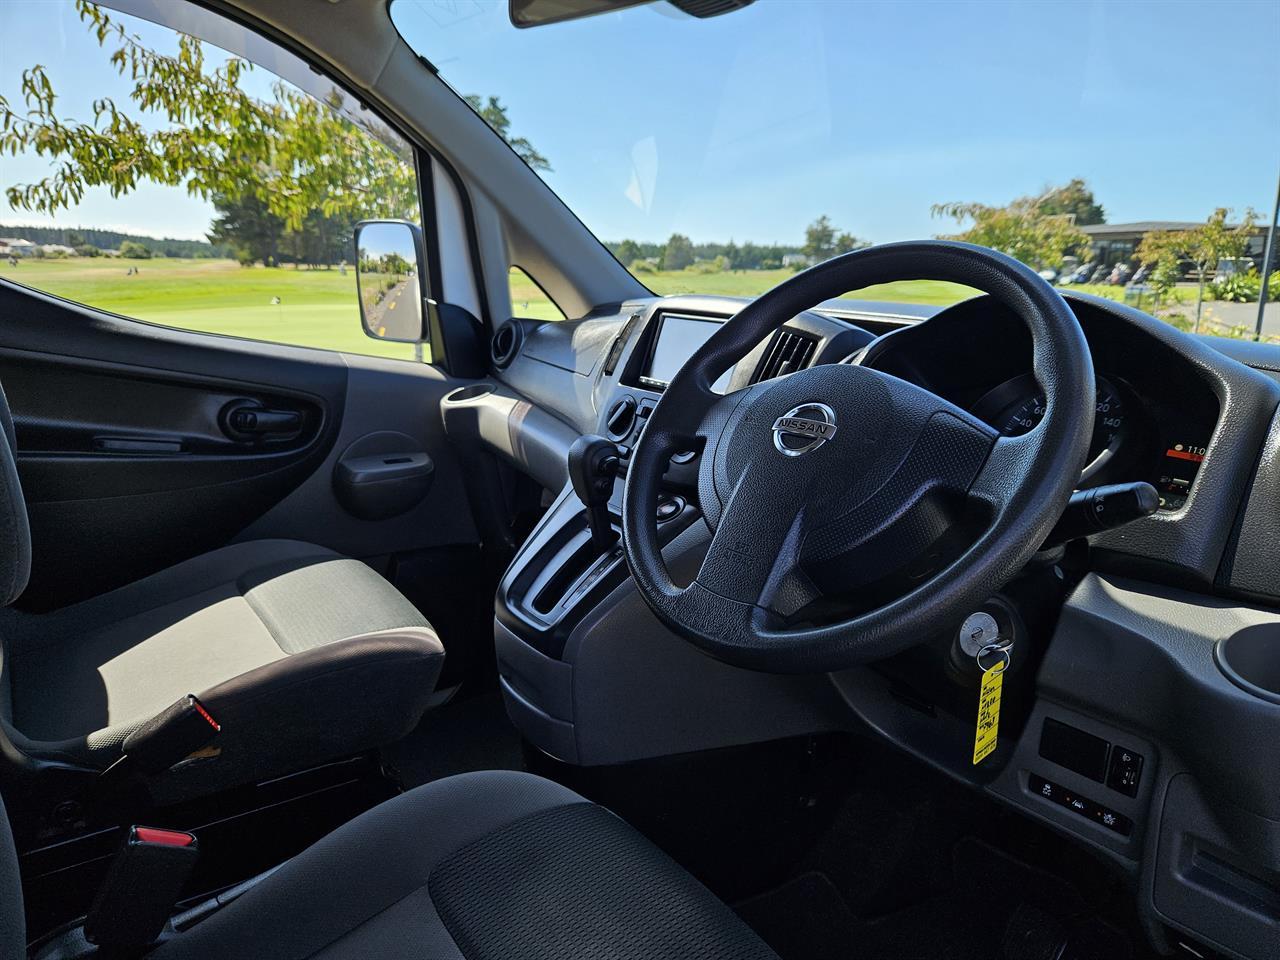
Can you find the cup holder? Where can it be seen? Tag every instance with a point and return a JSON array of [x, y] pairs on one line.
[[472, 391], [1251, 660]]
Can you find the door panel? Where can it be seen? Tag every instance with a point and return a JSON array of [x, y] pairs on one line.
[[382, 396], [129, 462]]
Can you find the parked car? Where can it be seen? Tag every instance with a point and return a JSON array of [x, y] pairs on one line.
[[1119, 274]]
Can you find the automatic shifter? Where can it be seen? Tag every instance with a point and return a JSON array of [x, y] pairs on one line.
[[593, 463]]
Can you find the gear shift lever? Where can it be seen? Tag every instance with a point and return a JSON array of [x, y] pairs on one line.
[[593, 463]]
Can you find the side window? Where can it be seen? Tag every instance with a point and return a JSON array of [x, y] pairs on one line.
[[192, 175], [528, 299]]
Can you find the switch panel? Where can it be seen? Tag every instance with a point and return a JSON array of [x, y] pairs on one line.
[[1083, 806], [1125, 770]]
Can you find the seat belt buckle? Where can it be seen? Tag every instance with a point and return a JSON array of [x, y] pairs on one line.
[[144, 881], [173, 735]]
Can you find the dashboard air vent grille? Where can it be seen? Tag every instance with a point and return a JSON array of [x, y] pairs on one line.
[[788, 352], [506, 344]]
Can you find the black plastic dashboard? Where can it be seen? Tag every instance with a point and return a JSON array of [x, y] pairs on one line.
[[1191, 418]]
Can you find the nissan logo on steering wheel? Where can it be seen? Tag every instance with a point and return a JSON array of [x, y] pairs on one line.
[[805, 428]]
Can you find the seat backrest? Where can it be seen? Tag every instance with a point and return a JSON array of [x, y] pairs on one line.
[[15, 534], [13, 932]]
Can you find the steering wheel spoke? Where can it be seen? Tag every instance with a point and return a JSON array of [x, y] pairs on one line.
[[1004, 473], [757, 542]]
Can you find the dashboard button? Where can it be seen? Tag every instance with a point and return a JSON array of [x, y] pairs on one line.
[[1125, 772], [1116, 822], [669, 507], [1043, 788]]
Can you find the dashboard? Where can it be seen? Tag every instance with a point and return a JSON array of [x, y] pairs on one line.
[[1154, 418]]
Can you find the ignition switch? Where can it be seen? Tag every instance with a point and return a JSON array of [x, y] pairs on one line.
[[978, 630], [995, 622]]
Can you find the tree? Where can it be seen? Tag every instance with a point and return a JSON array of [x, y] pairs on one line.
[[847, 243], [1023, 229], [732, 256], [495, 114], [248, 226], [1074, 199], [133, 250], [1201, 248], [822, 242], [628, 251], [190, 124], [678, 253]]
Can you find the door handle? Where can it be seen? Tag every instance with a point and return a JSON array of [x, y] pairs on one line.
[[248, 422]]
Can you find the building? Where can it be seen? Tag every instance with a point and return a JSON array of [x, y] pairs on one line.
[[14, 247], [794, 260], [1111, 243]]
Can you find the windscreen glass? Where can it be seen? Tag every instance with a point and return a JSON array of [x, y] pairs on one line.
[[719, 156]]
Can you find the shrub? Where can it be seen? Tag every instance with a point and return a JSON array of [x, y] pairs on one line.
[[643, 266], [88, 250], [133, 250], [1244, 287]]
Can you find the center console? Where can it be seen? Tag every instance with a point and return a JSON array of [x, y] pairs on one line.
[[590, 676]]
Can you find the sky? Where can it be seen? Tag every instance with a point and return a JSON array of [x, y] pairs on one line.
[[748, 126]]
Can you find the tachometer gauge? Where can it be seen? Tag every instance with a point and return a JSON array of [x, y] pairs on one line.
[[1017, 407]]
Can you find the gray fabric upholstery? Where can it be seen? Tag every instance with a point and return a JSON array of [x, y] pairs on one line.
[[367, 890], [300, 653], [13, 927], [15, 533], [576, 883]]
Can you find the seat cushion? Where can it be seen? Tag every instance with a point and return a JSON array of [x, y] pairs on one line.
[[242, 627], [477, 867]]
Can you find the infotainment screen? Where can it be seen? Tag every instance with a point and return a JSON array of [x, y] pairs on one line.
[[677, 339]]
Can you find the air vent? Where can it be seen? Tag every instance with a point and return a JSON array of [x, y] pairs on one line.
[[788, 352], [506, 344]]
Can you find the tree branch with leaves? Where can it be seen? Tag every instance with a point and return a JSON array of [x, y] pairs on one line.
[[1030, 229], [294, 155], [1201, 248]]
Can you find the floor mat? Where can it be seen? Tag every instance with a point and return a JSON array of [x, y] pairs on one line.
[[463, 735], [994, 908]]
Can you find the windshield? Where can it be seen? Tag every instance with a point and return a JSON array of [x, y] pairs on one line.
[[720, 155]]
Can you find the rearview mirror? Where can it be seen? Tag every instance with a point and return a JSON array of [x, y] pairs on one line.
[[388, 275], [537, 13]]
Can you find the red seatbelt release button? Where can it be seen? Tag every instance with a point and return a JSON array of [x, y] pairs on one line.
[[165, 838]]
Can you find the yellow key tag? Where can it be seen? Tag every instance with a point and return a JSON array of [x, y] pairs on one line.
[[984, 740]]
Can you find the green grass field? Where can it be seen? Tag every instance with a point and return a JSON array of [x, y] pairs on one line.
[[317, 308], [750, 283]]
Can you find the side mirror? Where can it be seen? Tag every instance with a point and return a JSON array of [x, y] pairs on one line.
[[389, 268]]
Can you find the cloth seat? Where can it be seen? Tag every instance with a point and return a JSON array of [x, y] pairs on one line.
[[482, 866], [301, 654]]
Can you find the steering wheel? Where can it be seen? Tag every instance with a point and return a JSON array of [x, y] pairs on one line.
[[843, 481]]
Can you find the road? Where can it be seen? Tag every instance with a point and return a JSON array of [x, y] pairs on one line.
[[1242, 315], [384, 314]]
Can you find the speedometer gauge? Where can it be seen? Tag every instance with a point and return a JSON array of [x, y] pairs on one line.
[[1018, 406]]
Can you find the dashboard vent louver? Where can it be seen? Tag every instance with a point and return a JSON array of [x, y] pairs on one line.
[[506, 344], [788, 352]]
